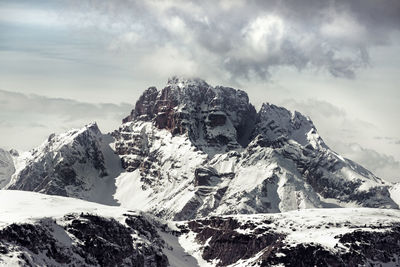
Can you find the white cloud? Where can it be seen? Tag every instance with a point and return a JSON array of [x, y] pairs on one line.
[[26, 120], [125, 41], [252, 38], [259, 33], [32, 17]]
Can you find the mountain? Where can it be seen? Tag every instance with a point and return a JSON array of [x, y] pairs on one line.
[[192, 150], [79, 163], [195, 176], [35, 231]]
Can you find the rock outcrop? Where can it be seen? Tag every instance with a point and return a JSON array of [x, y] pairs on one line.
[[215, 118], [264, 240], [84, 240]]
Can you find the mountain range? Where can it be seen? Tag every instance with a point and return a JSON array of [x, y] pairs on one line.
[[199, 177]]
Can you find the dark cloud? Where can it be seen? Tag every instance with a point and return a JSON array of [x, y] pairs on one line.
[[251, 38]]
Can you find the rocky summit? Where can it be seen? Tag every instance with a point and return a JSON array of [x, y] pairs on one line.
[[204, 168], [214, 118], [206, 151]]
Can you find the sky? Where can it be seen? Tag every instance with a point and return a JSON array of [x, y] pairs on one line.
[[65, 63]]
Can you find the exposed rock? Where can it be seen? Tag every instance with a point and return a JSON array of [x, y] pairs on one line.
[[196, 108], [14, 152], [106, 242], [37, 239], [230, 240], [85, 240], [205, 176]]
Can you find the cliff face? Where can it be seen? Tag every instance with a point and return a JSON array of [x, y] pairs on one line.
[[215, 118]]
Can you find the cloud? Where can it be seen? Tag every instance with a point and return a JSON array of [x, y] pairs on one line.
[[312, 106], [388, 139], [247, 39], [66, 109], [39, 116]]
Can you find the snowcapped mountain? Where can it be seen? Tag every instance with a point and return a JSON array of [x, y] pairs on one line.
[[200, 178], [79, 163], [191, 150], [35, 231]]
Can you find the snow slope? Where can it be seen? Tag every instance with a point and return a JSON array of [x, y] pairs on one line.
[[346, 236], [175, 180], [29, 207]]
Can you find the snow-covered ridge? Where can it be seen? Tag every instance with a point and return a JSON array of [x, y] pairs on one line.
[[277, 122], [35, 231], [78, 163]]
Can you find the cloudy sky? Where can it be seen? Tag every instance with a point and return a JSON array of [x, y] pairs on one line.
[[65, 63]]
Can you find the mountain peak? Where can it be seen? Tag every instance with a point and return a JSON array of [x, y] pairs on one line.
[[277, 122], [181, 82], [215, 118], [73, 163], [234, 154], [219, 117]]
